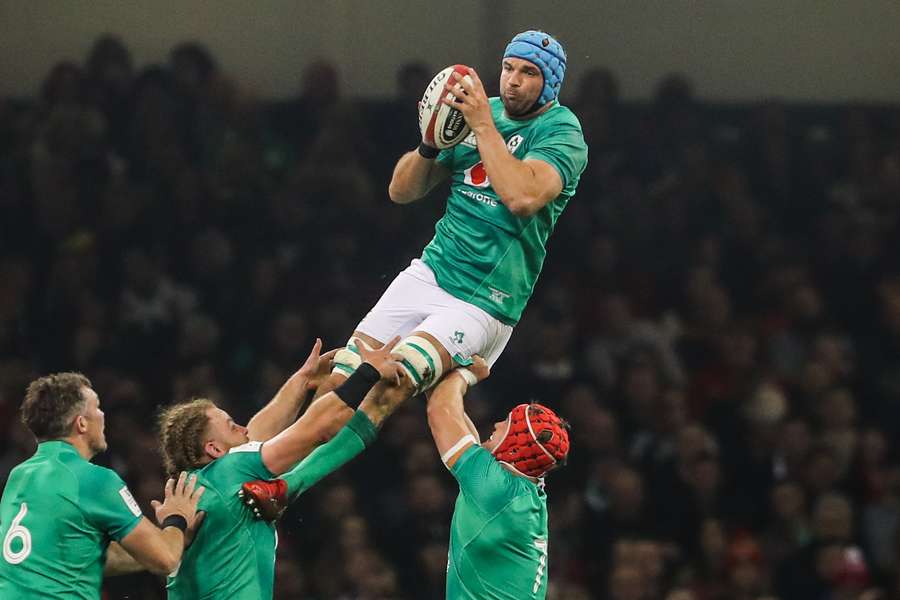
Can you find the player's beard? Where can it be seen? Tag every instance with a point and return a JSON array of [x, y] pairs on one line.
[[517, 106], [97, 437], [97, 446], [98, 443]]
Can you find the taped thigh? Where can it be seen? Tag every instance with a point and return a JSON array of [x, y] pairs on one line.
[[421, 360]]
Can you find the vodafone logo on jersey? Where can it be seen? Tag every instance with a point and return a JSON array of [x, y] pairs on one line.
[[476, 176]]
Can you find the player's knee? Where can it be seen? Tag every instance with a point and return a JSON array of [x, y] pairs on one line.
[[421, 361]]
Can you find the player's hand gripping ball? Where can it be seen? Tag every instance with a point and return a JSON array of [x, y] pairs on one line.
[[442, 126]]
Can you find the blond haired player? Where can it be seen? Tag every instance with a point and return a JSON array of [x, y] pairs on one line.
[[233, 554]]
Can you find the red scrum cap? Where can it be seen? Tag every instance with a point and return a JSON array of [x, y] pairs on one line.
[[536, 440]]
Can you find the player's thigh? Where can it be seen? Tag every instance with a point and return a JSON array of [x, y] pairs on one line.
[[496, 343], [405, 303], [464, 330]]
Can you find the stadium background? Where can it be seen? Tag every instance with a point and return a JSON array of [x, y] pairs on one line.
[[185, 205]]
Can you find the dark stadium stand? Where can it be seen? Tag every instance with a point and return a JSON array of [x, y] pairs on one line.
[[719, 318]]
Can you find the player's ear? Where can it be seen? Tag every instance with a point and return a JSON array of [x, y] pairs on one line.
[[81, 424], [213, 449]]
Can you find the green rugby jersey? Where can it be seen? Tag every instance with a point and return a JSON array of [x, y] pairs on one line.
[[233, 555], [58, 514], [498, 536], [482, 253]]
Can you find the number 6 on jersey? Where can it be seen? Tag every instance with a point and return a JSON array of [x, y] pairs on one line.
[[17, 531]]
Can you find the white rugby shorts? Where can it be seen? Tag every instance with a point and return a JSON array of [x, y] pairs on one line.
[[415, 302]]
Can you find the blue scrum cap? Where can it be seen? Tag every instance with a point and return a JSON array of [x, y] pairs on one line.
[[545, 52]]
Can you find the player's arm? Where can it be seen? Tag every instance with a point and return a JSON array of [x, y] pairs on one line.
[[524, 186], [472, 429], [469, 424], [351, 440], [451, 428], [269, 499], [330, 412], [415, 176], [119, 562], [159, 550], [284, 407]]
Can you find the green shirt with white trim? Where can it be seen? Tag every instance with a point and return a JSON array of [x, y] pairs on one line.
[[498, 536], [233, 554]]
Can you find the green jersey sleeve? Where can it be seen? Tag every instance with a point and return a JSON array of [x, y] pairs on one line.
[[107, 503], [564, 149], [483, 481], [352, 439]]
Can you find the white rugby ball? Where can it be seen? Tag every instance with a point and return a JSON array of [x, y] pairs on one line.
[[442, 126]]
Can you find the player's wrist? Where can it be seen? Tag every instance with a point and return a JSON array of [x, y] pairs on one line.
[[355, 388], [165, 512], [428, 152], [468, 378], [176, 520]]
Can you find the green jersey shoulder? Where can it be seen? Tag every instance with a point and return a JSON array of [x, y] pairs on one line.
[[58, 514]]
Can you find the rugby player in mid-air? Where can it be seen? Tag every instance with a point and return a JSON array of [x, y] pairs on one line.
[[498, 536], [233, 554], [509, 182], [65, 522]]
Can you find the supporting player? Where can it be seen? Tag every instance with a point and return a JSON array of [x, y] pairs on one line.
[[498, 536], [66, 522], [233, 554], [509, 182]]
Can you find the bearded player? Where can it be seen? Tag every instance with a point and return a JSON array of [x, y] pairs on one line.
[[498, 536], [509, 182], [66, 522], [233, 554]]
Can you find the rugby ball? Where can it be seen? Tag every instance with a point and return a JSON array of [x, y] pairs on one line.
[[442, 126]]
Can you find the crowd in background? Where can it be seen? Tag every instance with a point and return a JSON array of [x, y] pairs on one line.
[[718, 318]]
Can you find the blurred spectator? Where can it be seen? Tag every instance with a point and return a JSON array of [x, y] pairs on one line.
[[789, 528], [719, 318], [622, 337]]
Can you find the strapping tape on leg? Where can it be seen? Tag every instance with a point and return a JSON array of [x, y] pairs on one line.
[[347, 359], [421, 361]]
